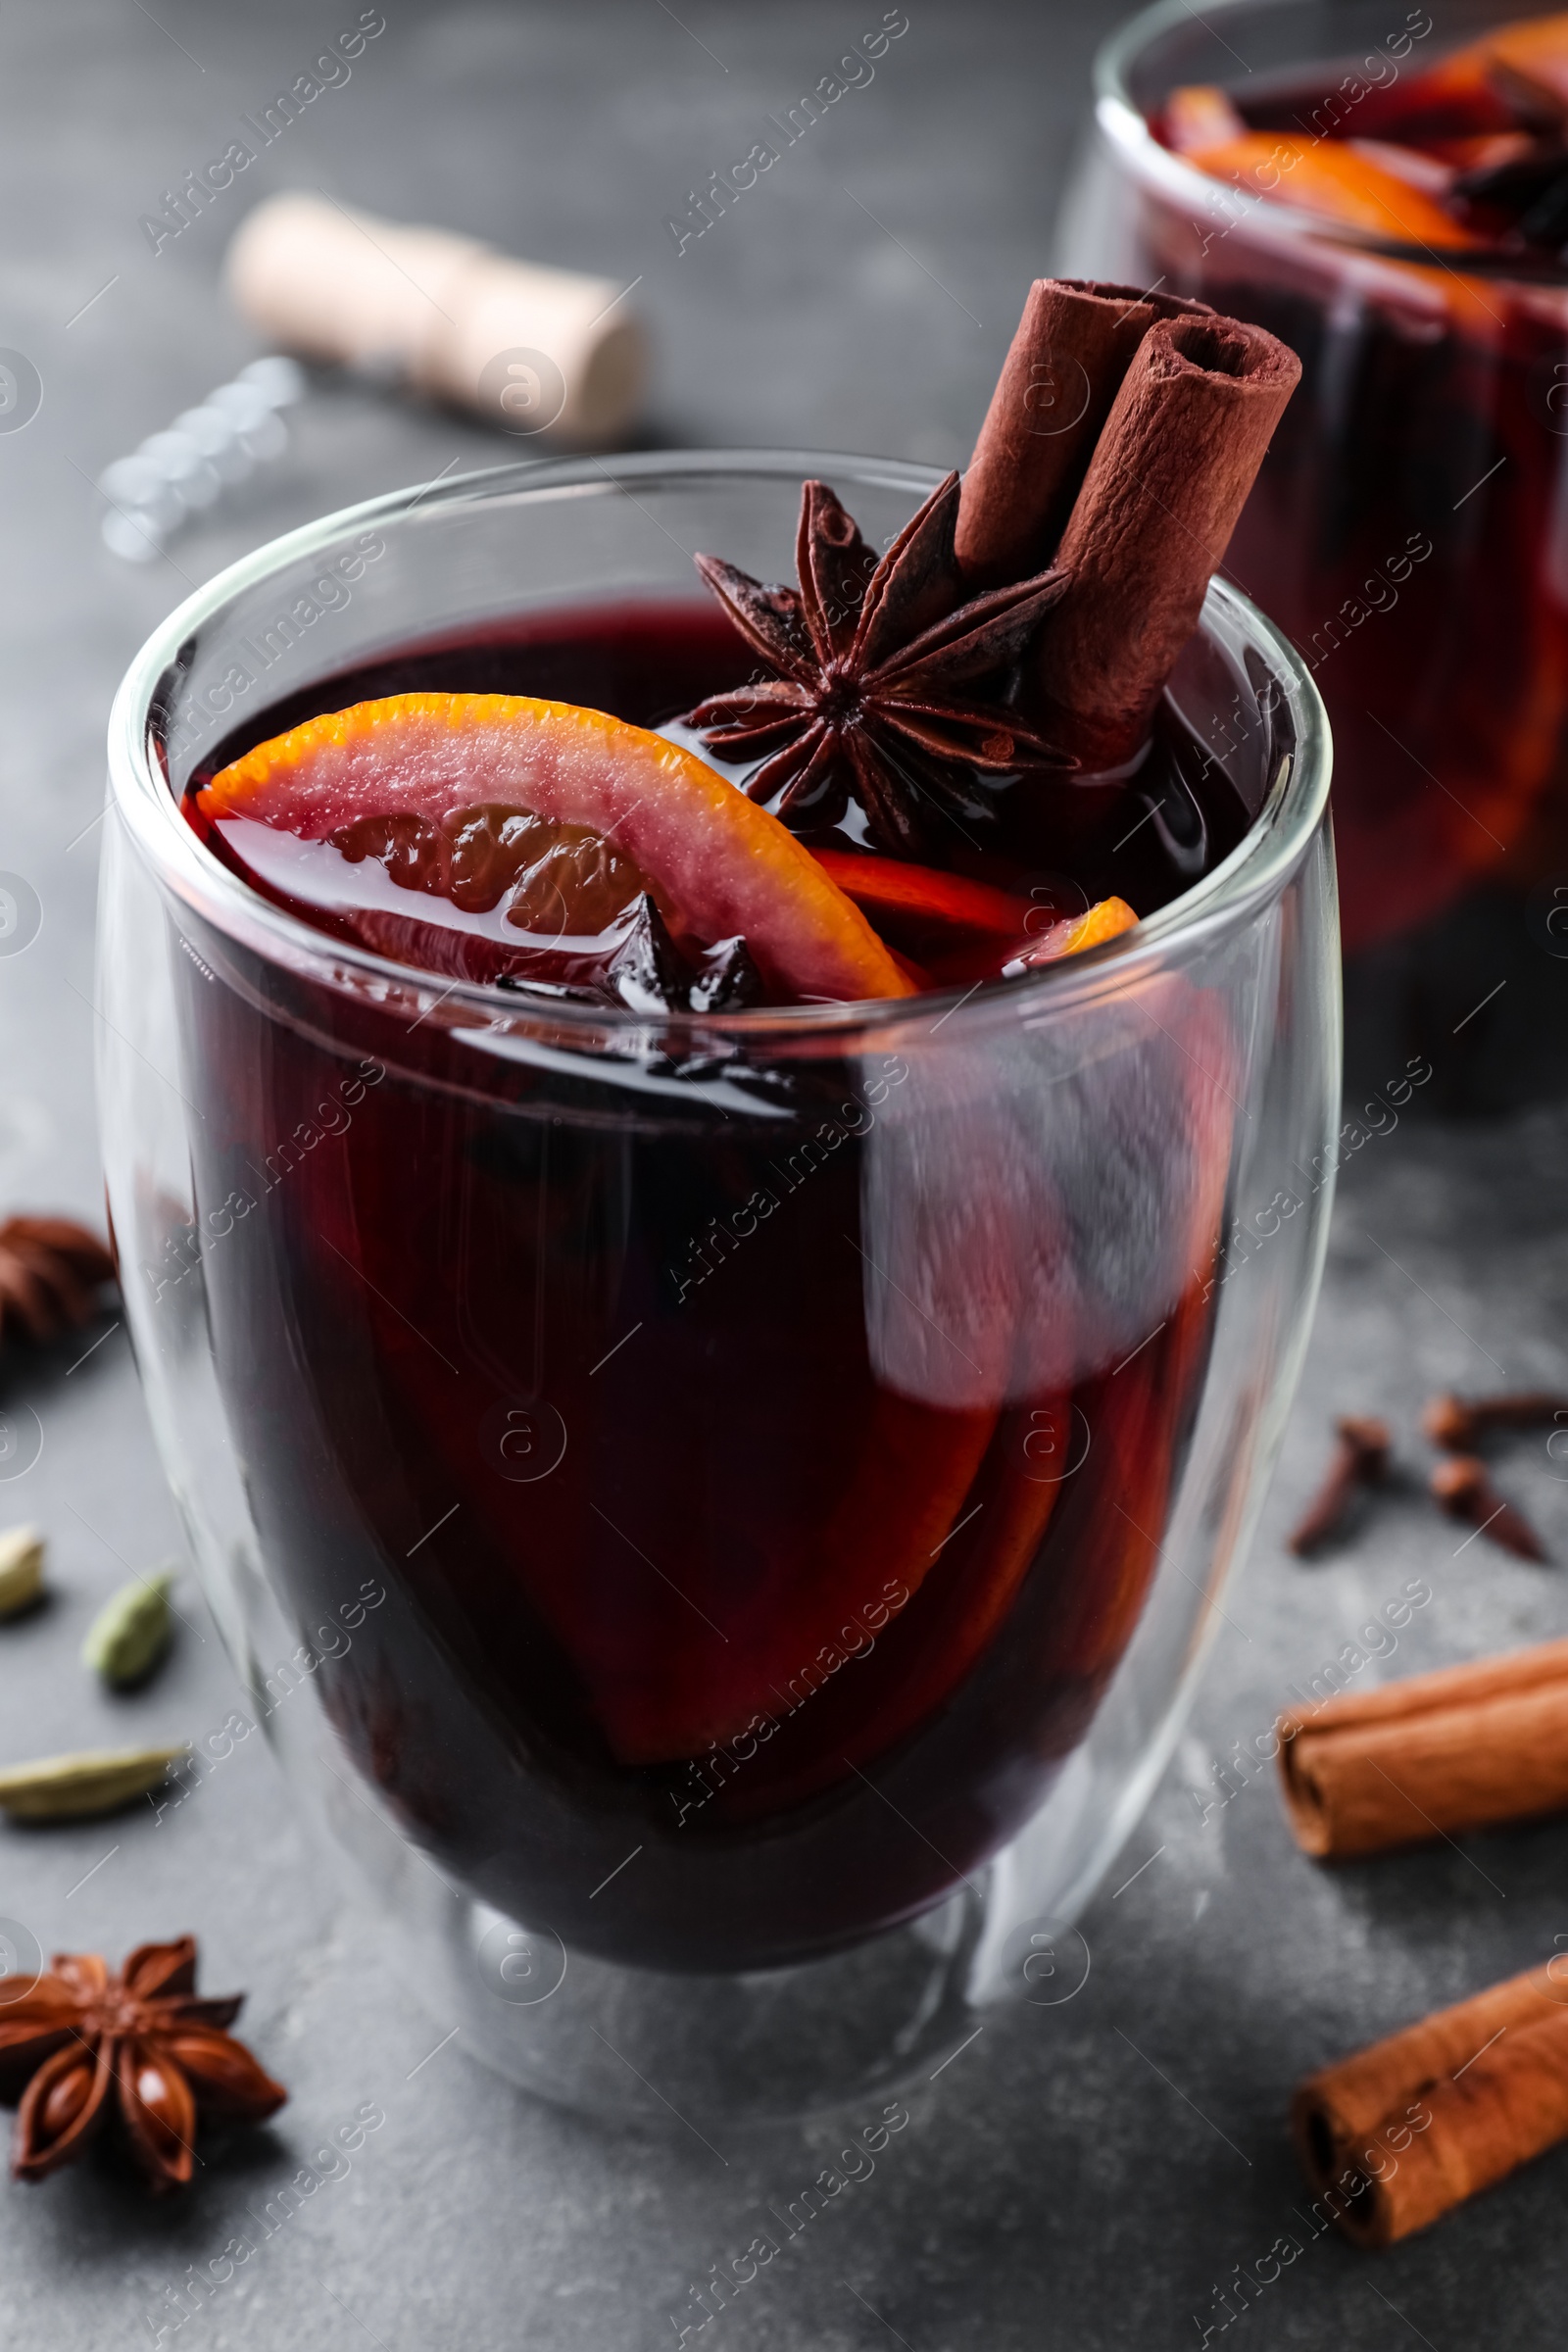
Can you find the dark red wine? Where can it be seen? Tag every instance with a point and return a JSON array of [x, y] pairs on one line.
[[702, 1555]]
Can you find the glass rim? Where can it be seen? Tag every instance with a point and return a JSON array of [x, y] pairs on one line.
[[1278, 837], [1127, 128]]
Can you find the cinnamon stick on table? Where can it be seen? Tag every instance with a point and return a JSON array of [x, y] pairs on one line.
[[1399, 2133], [1170, 473], [1430, 1756], [1064, 367]]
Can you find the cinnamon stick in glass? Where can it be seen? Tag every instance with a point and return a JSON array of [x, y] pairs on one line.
[[1399, 2133], [1062, 371], [1431, 1757], [1178, 454]]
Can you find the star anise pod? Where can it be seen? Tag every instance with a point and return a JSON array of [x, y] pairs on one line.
[[868, 656], [51, 1271], [87, 2043]]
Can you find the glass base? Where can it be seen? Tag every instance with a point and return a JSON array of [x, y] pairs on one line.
[[699, 2051], [761, 2047], [764, 2045]]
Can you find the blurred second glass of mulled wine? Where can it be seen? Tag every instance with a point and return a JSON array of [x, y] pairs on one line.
[[1382, 190]]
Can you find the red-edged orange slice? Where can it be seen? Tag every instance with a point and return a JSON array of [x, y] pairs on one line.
[[888, 889], [627, 811], [1199, 114], [1328, 176], [960, 928], [1525, 63], [1106, 920]]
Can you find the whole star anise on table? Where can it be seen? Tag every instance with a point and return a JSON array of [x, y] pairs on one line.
[[869, 655], [140, 2045], [51, 1271]]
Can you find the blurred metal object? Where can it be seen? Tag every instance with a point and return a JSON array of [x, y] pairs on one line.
[[206, 451]]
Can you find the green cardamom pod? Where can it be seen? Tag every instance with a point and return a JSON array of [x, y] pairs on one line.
[[20, 1569], [66, 1787], [130, 1632]]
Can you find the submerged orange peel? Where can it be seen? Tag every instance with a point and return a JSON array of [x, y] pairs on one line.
[[890, 887], [1108, 919], [719, 864]]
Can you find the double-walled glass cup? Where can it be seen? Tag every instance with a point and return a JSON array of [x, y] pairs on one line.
[[718, 1515], [1407, 531]]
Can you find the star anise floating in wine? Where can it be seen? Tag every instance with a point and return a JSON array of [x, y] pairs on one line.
[[51, 1272], [869, 656], [140, 2046]]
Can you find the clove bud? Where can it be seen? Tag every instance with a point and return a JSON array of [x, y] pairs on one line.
[[1462, 1486], [1458, 1423], [1360, 1460]]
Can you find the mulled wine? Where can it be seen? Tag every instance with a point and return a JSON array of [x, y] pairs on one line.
[[765, 1472], [1400, 220]]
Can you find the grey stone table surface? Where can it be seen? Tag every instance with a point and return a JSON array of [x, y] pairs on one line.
[[1082, 2176]]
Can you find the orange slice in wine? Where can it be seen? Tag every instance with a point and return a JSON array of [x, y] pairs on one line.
[[1328, 176], [1197, 115], [1106, 920], [892, 890], [1527, 62], [615, 809]]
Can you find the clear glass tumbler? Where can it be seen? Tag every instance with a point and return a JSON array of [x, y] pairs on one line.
[[719, 1516], [1409, 530]]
